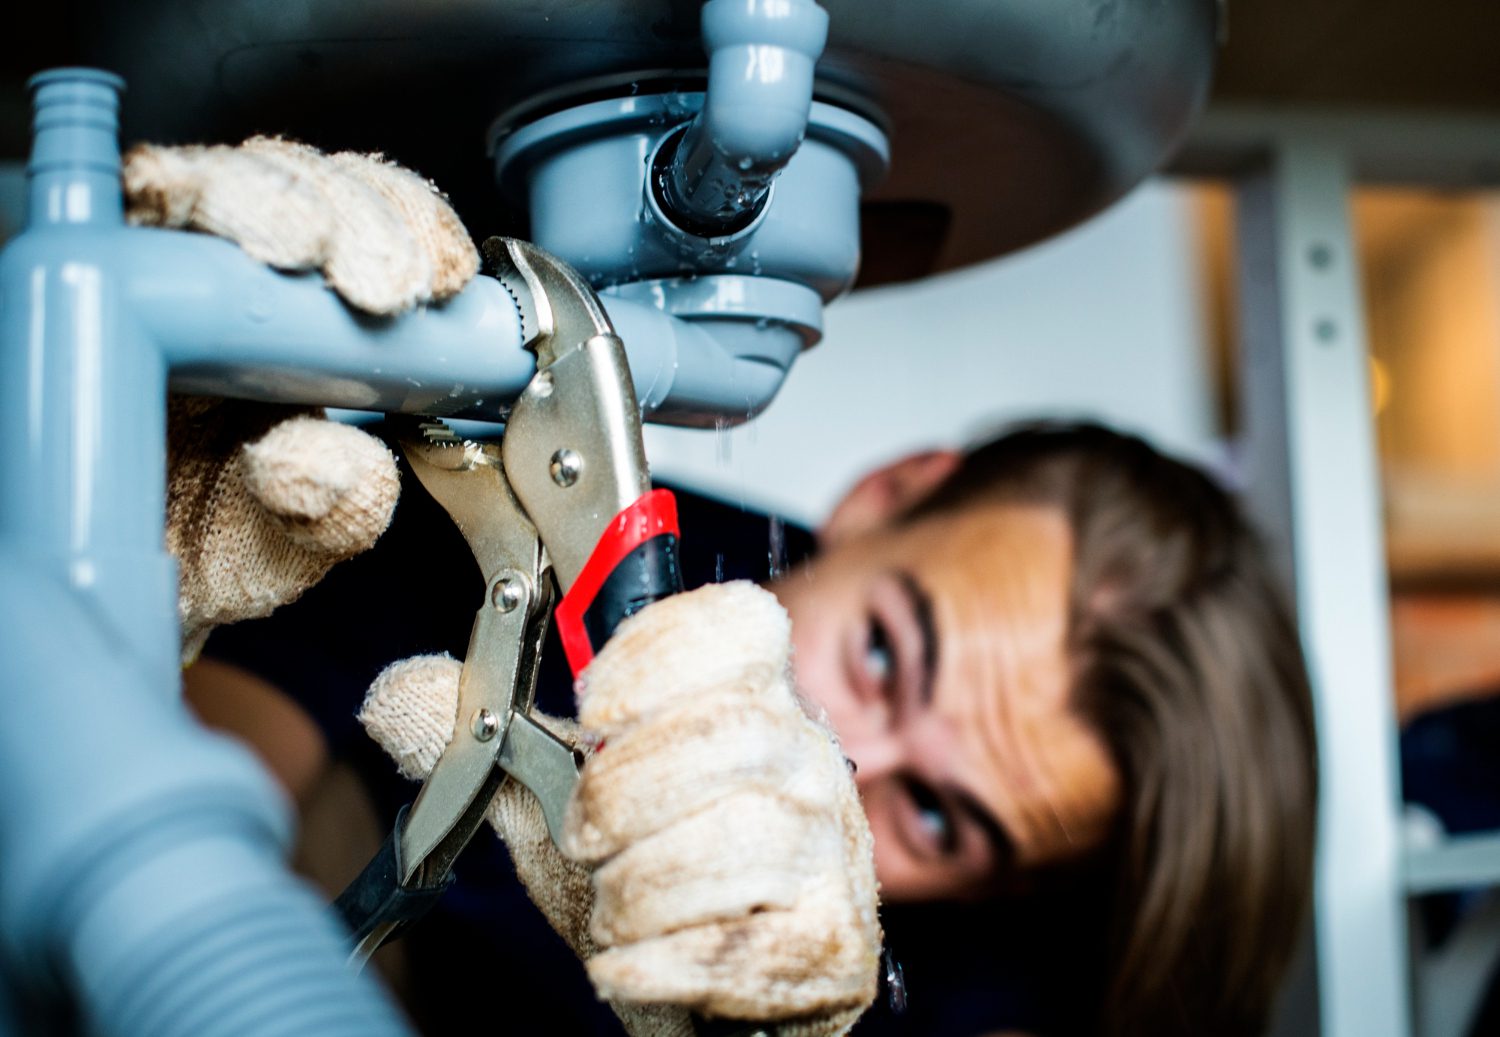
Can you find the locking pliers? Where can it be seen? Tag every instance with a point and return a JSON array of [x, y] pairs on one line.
[[560, 510]]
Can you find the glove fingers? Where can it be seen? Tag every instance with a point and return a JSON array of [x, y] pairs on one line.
[[243, 567], [253, 526], [426, 213], [330, 487], [771, 965], [272, 213], [728, 740], [372, 259], [751, 852], [236, 560], [411, 710], [681, 646], [384, 238]]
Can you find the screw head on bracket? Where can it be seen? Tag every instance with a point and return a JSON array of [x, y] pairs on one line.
[[566, 467]]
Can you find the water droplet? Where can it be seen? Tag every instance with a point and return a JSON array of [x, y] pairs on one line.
[[776, 547], [719, 567], [723, 447], [894, 978]]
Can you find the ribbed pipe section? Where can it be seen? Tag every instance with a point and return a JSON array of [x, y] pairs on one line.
[[143, 884], [256, 955]]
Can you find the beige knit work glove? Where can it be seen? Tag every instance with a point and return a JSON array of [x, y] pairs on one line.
[[715, 853], [262, 501]]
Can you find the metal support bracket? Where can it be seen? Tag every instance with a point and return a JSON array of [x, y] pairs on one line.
[[1315, 486]]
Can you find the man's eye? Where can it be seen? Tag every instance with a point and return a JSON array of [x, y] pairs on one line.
[[936, 824], [878, 660]]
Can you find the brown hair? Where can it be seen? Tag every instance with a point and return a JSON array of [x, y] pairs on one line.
[[1186, 662]]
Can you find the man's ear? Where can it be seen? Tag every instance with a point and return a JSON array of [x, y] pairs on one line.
[[887, 492]]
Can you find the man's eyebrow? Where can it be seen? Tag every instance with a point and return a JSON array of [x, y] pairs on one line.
[[1002, 846], [921, 607]]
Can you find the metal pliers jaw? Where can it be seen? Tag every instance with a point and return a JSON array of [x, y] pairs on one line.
[[561, 508]]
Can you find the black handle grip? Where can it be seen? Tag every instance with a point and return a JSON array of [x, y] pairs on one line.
[[648, 573], [376, 896]]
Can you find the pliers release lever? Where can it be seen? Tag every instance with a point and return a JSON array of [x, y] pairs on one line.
[[560, 510]]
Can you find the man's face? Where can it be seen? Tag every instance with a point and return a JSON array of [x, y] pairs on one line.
[[937, 649]]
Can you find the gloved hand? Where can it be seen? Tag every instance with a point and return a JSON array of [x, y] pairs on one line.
[[262, 500], [715, 854]]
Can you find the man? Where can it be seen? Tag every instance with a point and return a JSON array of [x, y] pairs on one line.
[[1061, 676], [1062, 651]]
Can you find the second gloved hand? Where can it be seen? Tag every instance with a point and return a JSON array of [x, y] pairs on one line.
[[717, 857], [263, 500]]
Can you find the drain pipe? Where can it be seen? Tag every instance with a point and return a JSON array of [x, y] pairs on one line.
[[715, 225], [714, 177], [142, 875]]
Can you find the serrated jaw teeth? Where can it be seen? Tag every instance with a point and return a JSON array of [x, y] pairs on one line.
[[439, 434]]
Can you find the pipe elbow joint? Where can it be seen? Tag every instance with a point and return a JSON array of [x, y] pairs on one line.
[[708, 369], [755, 137], [762, 54]]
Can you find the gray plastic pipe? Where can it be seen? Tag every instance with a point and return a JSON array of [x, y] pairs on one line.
[[228, 326], [142, 873], [761, 55], [706, 371]]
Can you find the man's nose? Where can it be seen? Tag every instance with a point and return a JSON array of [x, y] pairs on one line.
[[875, 758]]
